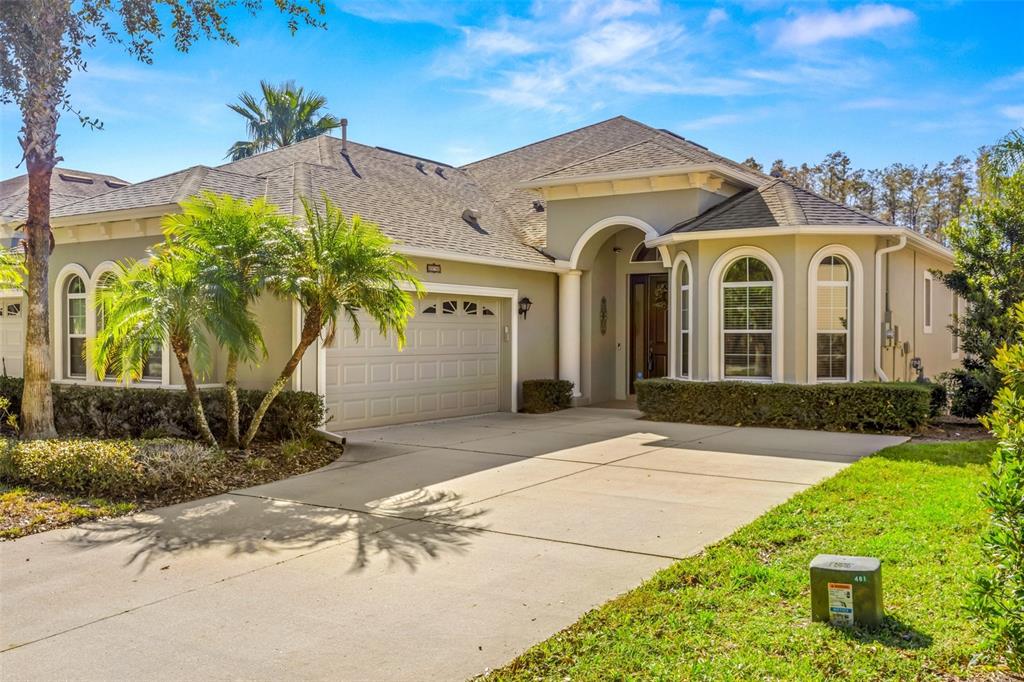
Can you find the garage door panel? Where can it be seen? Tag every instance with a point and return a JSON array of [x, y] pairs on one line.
[[449, 367]]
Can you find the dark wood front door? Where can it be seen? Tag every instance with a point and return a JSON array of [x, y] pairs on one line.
[[648, 327]]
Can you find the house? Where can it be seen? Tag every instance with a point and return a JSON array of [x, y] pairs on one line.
[[66, 186], [608, 253]]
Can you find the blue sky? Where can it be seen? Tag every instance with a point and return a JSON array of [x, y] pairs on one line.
[[457, 81]]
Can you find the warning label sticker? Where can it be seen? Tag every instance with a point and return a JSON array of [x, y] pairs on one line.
[[840, 603]]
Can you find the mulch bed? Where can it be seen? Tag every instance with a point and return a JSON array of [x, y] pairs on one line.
[[24, 511], [948, 428]]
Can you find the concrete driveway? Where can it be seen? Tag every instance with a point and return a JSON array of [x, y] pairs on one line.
[[430, 551]]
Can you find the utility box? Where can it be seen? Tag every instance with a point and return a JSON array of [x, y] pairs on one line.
[[846, 590]]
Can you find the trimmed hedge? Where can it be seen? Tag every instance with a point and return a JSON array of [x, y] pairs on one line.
[[118, 412], [546, 395], [867, 406]]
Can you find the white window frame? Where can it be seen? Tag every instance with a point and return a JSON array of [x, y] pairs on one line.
[[928, 302], [715, 332], [82, 296], [676, 291], [856, 364]]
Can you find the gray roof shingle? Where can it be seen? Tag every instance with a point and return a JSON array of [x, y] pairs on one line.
[[776, 203], [66, 186], [421, 202]]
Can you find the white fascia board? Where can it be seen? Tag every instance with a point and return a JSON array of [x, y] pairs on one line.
[[919, 240], [111, 216], [421, 252], [718, 168]]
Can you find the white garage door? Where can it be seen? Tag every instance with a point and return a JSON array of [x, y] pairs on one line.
[[449, 367], [12, 337]]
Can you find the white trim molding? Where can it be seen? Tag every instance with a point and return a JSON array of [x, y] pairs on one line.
[[928, 302], [855, 313], [674, 322], [954, 321], [59, 311], [714, 341], [880, 302], [617, 221]]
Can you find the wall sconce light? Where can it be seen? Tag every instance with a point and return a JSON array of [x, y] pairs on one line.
[[524, 306]]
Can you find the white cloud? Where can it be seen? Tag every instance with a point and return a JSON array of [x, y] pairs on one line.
[[497, 42], [853, 22], [617, 42], [1013, 81], [403, 11], [715, 17], [716, 121], [874, 103], [1015, 113], [596, 11]]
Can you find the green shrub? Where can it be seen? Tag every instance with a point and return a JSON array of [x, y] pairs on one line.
[[118, 412], [546, 395], [829, 407], [120, 469], [100, 468], [997, 596], [970, 395]]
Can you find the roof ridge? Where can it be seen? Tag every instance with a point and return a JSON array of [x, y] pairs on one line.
[[70, 205], [553, 137], [835, 203], [597, 156], [193, 181], [790, 204], [668, 136]]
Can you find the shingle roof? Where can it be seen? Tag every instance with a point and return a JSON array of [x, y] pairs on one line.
[[421, 202], [168, 189], [776, 203], [66, 186]]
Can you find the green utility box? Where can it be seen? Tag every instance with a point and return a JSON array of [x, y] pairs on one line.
[[846, 590]]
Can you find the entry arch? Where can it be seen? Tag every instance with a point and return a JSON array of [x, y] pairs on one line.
[[616, 221]]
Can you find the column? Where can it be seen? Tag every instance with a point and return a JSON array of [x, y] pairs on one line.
[[569, 328]]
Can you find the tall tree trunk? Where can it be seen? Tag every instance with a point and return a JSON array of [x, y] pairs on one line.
[[181, 353], [310, 330], [231, 387], [39, 145]]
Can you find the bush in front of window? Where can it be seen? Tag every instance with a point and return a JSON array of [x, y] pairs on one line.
[[867, 406], [119, 412], [546, 395]]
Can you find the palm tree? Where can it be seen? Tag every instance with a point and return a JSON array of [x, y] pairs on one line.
[[339, 267], [237, 245], [1008, 153], [166, 298], [286, 114]]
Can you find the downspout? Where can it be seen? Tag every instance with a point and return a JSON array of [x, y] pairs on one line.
[[879, 313]]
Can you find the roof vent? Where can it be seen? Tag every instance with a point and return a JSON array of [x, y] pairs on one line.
[[83, 179], [113, 184], [471, 216], [538, 205], [440, 172], [421, 167], [344, 136]]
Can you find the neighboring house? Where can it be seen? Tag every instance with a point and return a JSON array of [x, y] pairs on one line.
[[66, 186], [608, 253]]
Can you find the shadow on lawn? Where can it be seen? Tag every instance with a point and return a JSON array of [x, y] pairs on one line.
[[893, 633], [246, 524]]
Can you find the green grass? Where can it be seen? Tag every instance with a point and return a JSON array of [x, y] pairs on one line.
[[24, 511], [741, 609]]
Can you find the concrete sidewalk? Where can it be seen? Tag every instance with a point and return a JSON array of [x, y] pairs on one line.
[[429, 551]]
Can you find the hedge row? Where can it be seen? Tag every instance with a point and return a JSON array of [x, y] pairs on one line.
[[864, 406], [546, 395], [118, 412]]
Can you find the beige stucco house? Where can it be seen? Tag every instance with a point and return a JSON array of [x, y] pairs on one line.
[[611, 252]]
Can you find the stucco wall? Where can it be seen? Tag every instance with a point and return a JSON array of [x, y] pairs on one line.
[[568, 219], [905, 277]]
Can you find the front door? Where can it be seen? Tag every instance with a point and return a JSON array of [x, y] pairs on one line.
[[648, 315]]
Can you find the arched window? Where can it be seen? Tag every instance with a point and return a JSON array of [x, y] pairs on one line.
[[832, 320], [642, 254], [75, 329], [152, 368], [684, 320], [748, 291]]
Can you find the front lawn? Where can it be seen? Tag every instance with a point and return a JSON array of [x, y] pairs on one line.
[[741, 609]]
